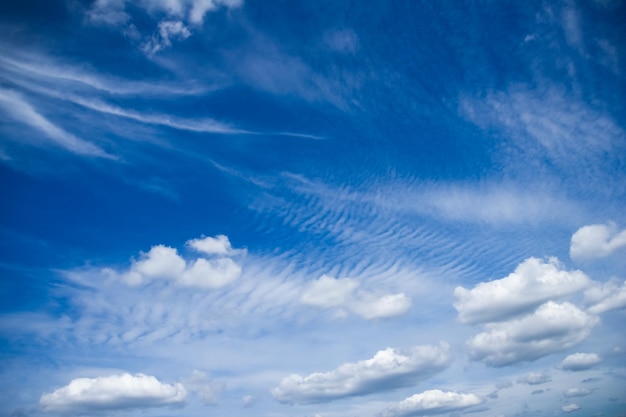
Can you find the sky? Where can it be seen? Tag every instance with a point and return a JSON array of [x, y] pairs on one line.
[[312, 208]]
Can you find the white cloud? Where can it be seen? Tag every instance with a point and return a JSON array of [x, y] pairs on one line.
[[115, 392], [568, 408], [432, 402], [534, 378], [533, 282], [551, 328], [218, 245], [580, 361], [597, 241], [167, 31], [329, 292], [577, 392], [388, 369], [603, 297], [114, 12], [17, 107], [163, 262]]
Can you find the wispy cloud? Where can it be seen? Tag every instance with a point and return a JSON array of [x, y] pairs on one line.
[[23, 112]]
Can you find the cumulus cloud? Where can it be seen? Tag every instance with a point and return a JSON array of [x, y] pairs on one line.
[[597, 241], [606, 296], [533, 282], [432, 402], [580, 361], [553, 327], [329, 292], [164, 263], [388, 369], [534, 378], [218, 245], [115, 392], [577, 392], [568, 408]]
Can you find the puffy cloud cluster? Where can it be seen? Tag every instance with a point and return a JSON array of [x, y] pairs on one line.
[[603, 297], [553, 327], [580, 361], [115, 392], [521, 319], [534, 378], [597, 241], [432, 402], [533, 282], [388, 369], [164, 263], [577, 392], [568, 408], [343, 293]]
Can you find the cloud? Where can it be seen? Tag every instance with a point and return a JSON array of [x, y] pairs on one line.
[[534, 378], [167, 31], [577, 392], [568, 408], [532, 283], [115, 392], [603, 297], [388, 369], [164, 263], [114, 12], [218, 245], [329, 292], [580, 361], [205, 389], [20, 110], [551, 328], [432, 402], [597, 241]]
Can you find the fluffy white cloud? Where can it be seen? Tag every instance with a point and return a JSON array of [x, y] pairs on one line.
[[218, 245], [596, 241], [432, 402], [534, 378], [606, 296], [532, 283], [577, 392], [163, 262], [568, 408], [388, 369], [580, 361], [115, 392], [329, 292], [551, 328]]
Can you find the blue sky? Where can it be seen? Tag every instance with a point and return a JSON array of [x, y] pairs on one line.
[[312, 209]]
